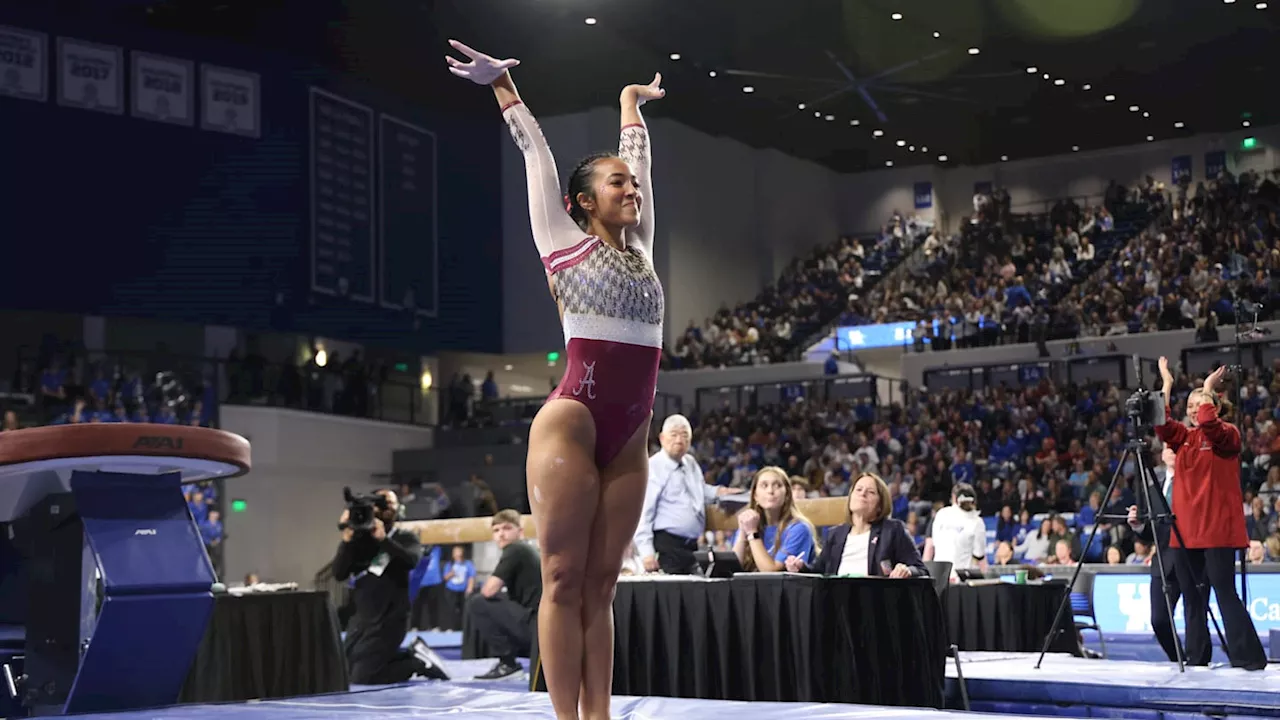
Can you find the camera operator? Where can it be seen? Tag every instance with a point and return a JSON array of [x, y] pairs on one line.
[[379, 561], [1206, 501]]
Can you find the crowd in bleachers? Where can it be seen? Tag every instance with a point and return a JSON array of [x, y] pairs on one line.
[[1040, 458], [811, 293], [1147, 259], [69, 389]]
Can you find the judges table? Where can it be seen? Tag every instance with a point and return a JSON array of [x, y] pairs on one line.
[[1008, 617], [268, 645], [776, 637]]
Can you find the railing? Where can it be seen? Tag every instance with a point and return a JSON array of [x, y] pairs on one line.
[[353, 392], [883, 392]]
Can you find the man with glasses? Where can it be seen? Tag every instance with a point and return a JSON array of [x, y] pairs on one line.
[[675, 503]]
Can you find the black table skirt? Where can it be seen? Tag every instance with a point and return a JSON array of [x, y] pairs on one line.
[[777, 638], [1008, 617], [268, 645]]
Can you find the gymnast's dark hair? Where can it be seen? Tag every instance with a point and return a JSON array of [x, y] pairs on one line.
[[580, 182]]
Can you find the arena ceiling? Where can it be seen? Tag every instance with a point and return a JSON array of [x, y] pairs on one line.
[[1187, 66], [1207, 64]]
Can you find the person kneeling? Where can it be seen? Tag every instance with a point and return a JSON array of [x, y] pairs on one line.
[[506, 623], [871, 542], [377, 562]]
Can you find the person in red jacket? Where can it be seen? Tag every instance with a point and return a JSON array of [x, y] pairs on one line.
[[1206, 501]]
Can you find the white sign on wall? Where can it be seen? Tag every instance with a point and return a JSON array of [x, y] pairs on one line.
[[163, 89], [24, 64], [230, 101], [90, 76]]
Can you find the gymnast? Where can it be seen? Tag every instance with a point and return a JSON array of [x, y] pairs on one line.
[[587, 467]]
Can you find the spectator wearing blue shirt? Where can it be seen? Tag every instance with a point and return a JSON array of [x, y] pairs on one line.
[[459, 583], [771, 528], [427, 584]]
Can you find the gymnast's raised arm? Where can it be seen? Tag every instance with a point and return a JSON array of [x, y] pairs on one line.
[[553, 229], [634, 148]]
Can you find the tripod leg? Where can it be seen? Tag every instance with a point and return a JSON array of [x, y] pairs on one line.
[[1146, 486], [1075, 575]]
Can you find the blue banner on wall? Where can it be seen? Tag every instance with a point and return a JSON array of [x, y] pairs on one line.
[[924, 195], [1214, 163], [982, 187], [1123, 602], [1181, 168]]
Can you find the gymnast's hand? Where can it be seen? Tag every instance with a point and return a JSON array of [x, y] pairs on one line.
[[794, 564], [641, 94], [483, 69]]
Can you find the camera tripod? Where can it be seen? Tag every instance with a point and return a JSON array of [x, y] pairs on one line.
[[1153, 509]]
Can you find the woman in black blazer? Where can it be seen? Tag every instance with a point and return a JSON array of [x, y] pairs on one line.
[[871, 542]]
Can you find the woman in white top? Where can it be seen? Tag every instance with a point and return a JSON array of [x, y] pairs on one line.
[[959, 535], [871, 543]]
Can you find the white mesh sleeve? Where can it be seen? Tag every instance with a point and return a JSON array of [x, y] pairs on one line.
[[553, 229]]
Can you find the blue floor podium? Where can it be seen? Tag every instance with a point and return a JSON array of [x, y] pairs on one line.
[[116, 581]]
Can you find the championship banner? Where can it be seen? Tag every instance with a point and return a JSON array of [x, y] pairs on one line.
[[230, 101], [924, 195], [24, 64], [1181, 168], [162, 89], [1214, 163], [90, 76]]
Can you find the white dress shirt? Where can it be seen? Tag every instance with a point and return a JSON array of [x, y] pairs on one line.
[[675, 500]]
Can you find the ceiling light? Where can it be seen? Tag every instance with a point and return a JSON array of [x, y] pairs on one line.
[[888, 163], [1228, 2], [942, 158], [675, 56], [801, 106], [1045, 76], [937, 34], [1110, 98], [1004, 158], [924, 149], [974, 51], [911, 148], [1260, 6], [902, 143], [1032, 70], [1086, 86], [1133, 108], [1075, 148], [712, 73], [1179, 124], [591, 21], [896, 16], [1059, 81], [855, 123], [829, 118], [1146, 114], [877, 133], [508, 368], [1150, 138], [748, 89], [817, 114], [1245, 123]]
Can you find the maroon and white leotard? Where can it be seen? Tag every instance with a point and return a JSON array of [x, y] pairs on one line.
[[611, 300]]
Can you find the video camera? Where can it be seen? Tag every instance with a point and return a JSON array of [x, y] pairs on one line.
[[1145, 409], [361, 510]]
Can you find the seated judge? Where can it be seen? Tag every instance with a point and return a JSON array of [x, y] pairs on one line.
[[871, 543], [771, 528]]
